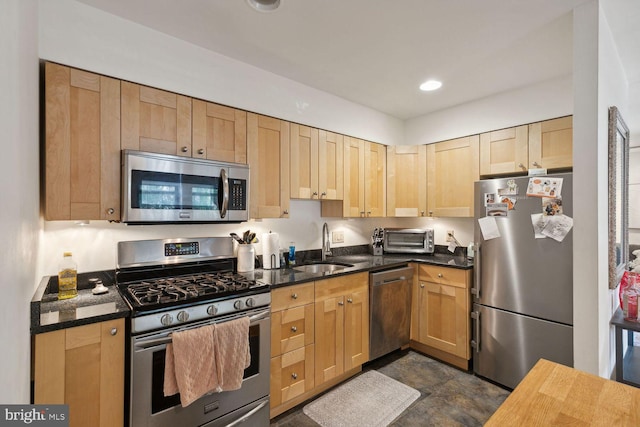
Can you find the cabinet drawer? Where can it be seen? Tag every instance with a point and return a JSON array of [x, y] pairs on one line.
[[331, 288], [291, 296], [291, 375], [444, 275], [291, 329]]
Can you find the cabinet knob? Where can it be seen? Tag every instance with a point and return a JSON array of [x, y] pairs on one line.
[[521, 166], [430, 213], [368, 213], [349, 300], [285, 212], [294, 376], [361, 213], [114, 331], [323, 194], [340, 302], [440, 275], [294, 296], [111, 211], [315, 193], [421, 213], [294, 329], [201, 151], [422, 285], [536, 164], [184, 149]]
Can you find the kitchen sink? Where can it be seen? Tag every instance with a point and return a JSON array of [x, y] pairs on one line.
[[322, 267]]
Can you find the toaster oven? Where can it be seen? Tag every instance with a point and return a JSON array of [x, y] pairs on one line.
[[408, 240]]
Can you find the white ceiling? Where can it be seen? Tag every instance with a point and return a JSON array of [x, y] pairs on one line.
[[377, 52]]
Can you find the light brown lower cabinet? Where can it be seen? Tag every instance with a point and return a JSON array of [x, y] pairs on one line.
[[319, 337], [440, 314], [83, 367]]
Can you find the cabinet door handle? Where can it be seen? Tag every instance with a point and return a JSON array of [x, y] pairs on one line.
[[285, 212], [521, 166], [323, 194], [422, 285], [294, 329], [349, 300], [421, 213], [315, 193], [201, 151], [114, 331], [536, 164], [111, 211], [440, 275], [184, 149], [340, 302], [294, 296], [294, 376]]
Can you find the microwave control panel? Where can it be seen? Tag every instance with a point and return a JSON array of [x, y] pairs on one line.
[[237, 194]]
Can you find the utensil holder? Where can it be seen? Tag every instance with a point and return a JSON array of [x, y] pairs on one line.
[[246, 256]]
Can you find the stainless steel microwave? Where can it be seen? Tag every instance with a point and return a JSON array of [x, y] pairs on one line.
[[160, 188], [408, 240]]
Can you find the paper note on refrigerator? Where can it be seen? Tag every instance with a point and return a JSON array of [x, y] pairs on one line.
[[558, 227], [489, 227], [538, 221]]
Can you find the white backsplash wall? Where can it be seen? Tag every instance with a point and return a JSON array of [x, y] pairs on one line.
[[94, 245]]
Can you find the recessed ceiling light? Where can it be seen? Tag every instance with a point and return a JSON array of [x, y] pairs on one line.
[[430, 85], [264, 5]]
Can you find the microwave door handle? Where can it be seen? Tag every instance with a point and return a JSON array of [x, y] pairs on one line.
[[225, 193]]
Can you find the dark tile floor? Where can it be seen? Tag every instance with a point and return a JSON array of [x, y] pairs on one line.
[[448, 396]]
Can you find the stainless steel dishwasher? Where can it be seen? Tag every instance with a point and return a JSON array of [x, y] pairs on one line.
[[390, 310]]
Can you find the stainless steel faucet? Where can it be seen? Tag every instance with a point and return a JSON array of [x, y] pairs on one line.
[[326, 242]]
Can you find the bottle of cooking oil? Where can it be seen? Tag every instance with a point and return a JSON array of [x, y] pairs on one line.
[[67, 277]]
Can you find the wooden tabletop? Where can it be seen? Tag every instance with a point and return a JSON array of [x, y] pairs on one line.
[[553, 394]]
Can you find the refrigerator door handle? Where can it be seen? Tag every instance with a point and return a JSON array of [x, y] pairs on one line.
[[475, 343], [476, 272]]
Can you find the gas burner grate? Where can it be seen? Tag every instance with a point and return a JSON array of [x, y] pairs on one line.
[[161, 291]]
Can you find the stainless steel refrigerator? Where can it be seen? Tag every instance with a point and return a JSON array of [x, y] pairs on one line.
[[523, 286]]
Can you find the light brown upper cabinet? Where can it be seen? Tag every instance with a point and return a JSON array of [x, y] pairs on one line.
[[406, 181], [304, 162], [504, 151], [155, 120], [353, 177], [330, 165], [551, 143], [219, 132], [452, 168], [82, 148], [375, 164], [268, 158]]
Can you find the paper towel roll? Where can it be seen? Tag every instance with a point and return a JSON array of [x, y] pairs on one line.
[[270, 251]]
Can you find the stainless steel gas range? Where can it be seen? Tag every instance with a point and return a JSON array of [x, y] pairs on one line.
[[177, 284]]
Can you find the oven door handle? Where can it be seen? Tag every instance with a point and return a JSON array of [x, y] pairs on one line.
[[167, 339], [248, 415]]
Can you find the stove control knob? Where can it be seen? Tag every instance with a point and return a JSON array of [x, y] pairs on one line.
[[238, 305], [183, 316], [166, 320], [212, 310], [250, 302]]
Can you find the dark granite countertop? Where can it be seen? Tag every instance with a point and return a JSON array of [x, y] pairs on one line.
[[360, 262], [50, 314]]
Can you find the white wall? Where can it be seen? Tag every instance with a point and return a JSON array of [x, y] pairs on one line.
[[94, 245], [546, 100], [19, 223], [599, 82], [79, 35]]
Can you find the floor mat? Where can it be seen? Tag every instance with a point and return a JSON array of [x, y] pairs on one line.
[[371, 399]]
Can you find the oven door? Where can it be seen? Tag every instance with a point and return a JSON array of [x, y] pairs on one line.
[[163, 188], [149, 406]]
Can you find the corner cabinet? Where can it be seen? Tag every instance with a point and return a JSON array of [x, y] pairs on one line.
[[407, 181], [82, 145], [441, 306], [83, 367], [155, 120], [452, 168], [219, 132], [268, 158], [551, 143], [342, 325]]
